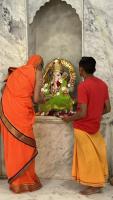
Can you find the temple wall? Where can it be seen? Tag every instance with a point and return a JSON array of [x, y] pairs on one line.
[[13, 33], [94, 25], [98, 42]]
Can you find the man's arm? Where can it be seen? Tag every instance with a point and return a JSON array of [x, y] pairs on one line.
[[78, 115], [107, 107], [82, 100], [38, 85]]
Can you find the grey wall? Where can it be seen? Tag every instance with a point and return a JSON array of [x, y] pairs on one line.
[[13, 33]]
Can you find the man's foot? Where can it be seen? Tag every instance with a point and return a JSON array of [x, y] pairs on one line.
[[91, 190]]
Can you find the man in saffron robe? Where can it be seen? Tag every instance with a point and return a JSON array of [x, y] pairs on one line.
[[16, 120], [89, 159]]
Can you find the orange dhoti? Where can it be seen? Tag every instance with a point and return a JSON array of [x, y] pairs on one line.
[[16, 120], [89, 159]]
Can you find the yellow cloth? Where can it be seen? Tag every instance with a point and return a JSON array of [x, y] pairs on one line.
[[89, 159]]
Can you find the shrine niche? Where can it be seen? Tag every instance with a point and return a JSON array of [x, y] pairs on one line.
[[55, 31]]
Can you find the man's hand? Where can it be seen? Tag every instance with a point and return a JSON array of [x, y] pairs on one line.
[[66, 118], [78, 115]]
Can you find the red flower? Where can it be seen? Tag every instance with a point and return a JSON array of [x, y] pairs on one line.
[[58, 84]]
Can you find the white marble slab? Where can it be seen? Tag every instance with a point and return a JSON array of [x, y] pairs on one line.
[[55, 145]]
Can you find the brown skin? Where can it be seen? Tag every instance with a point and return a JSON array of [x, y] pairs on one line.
[[83, 107], [38, 97]]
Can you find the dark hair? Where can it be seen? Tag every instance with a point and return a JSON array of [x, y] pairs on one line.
[[88, 64]]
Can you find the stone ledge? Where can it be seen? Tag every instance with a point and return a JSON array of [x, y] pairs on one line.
[[49, 119]]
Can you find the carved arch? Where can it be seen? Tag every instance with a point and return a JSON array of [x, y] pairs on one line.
[[35, 5]]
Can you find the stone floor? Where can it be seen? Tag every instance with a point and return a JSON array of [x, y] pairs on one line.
[[55, 190]]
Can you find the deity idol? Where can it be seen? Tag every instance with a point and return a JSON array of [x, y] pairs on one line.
[[59, 80]]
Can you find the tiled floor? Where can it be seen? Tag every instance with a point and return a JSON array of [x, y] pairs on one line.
[[54, 190]]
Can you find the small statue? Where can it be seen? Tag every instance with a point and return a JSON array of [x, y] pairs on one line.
[[59, 80]]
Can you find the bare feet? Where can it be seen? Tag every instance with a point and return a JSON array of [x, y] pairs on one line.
[[91, 190]]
